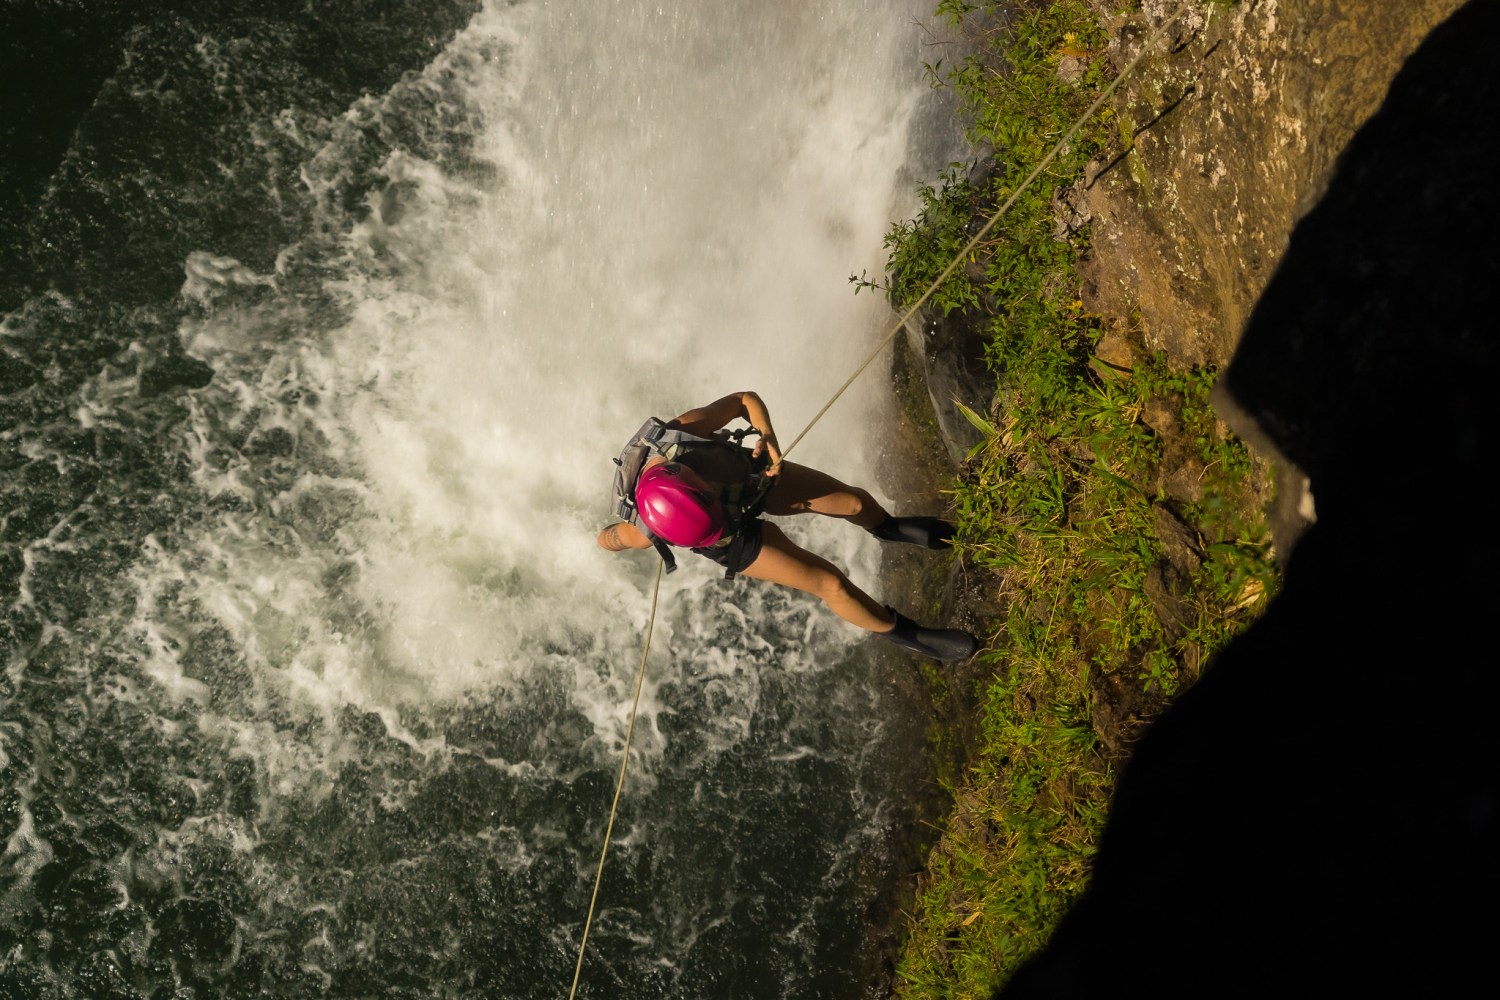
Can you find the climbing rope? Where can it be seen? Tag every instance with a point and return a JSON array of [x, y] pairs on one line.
[[899, 325], [614, 807]]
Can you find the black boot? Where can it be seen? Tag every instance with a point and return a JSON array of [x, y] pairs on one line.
[[949, 644], [929, 532]]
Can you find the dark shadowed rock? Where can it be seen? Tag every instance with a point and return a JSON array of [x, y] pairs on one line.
[[1119, 709], [949, 351], [1180, 544], [1319, 815], [1170, 579]]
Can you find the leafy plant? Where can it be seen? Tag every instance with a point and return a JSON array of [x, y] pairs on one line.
[[1060, 501]]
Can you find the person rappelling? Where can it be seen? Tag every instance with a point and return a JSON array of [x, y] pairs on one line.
[[690, 483]]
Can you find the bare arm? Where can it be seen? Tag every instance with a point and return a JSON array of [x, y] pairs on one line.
[[704, 420], [620, 536]]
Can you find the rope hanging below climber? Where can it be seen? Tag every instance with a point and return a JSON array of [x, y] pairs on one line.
[[690, 505]]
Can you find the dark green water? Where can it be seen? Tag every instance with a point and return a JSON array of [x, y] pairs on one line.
[[315, 345]]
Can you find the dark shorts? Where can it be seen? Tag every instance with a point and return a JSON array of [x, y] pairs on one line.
[[749, 548]]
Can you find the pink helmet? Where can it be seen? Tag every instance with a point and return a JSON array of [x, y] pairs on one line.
[[678, 506]]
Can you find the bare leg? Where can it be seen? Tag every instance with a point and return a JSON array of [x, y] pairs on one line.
[[800, 490], [782, 561]]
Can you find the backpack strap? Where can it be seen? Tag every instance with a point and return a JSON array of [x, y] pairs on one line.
[[653, 438], [746, 502], [669, 561]]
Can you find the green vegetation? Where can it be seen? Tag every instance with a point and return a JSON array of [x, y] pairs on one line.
[[1111, 513]]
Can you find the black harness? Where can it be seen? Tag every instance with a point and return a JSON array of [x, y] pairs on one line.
[[742, 501]]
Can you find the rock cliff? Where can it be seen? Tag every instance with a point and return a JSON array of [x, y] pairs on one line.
[[1318, 815], [1229, 137]]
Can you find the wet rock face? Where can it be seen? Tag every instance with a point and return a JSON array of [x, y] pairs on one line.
[[948, 351], [1236, 131]]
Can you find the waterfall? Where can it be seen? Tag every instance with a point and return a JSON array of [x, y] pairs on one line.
[[320, 688]]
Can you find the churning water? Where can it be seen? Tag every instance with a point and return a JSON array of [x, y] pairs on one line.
[[316, 681]]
